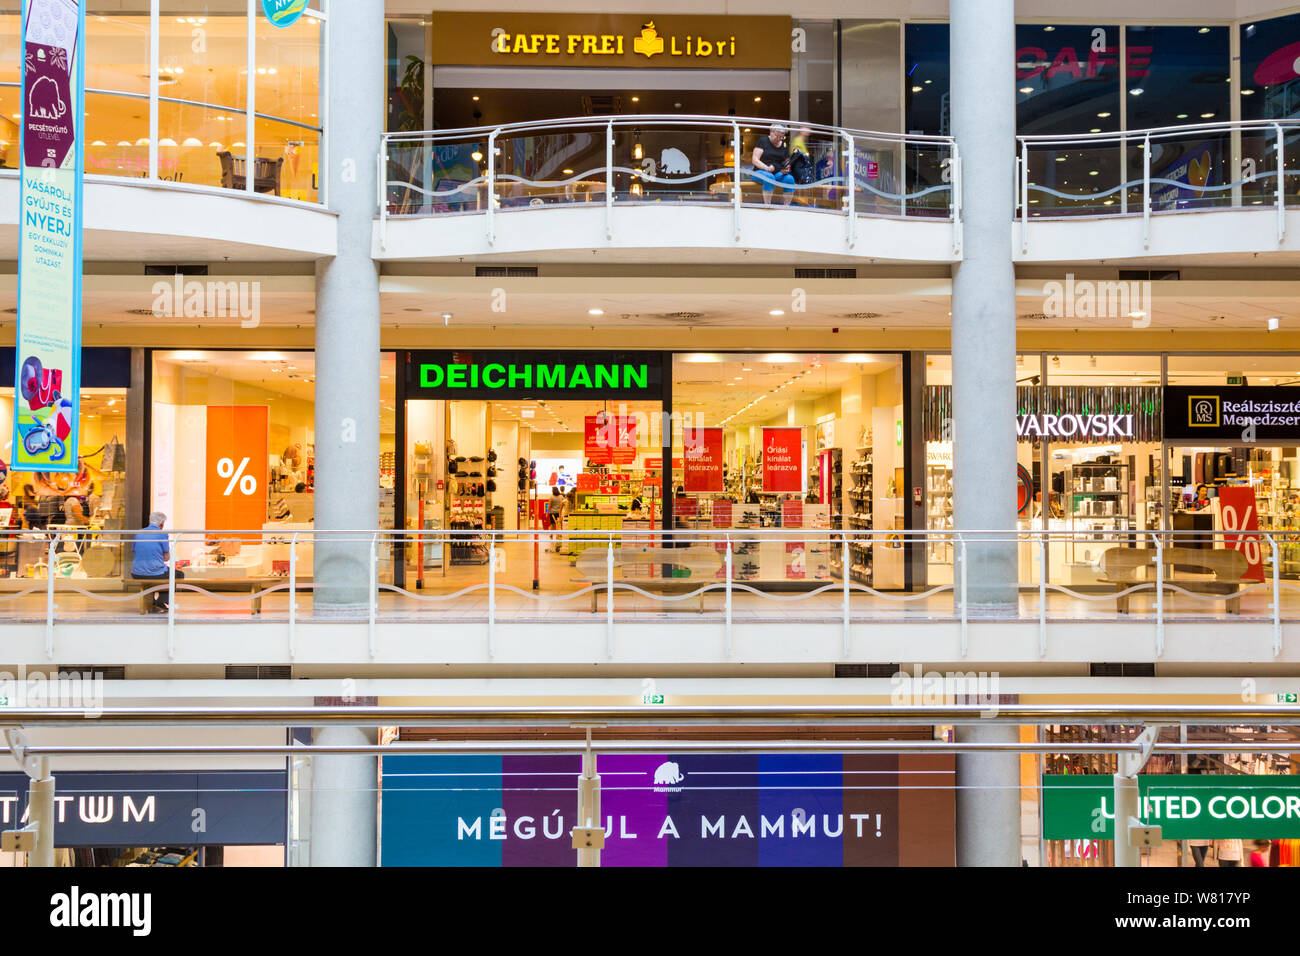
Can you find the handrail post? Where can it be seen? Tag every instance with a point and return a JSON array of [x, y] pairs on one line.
[[382, 186], [491, 158], [609, 598], [955, 197], [1024, 196], [171, 598], [1146, 191], [374, 590], [961, 555], [1160, 596], [728, 606], [735, 181], [1281, 184], [1277, 597], [844, 569], [851, 199], [49, 597], [1042, 593], [609, 180], [492, 597], [293, 594]]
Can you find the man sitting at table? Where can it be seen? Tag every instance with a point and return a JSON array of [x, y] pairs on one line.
[[150, 557]]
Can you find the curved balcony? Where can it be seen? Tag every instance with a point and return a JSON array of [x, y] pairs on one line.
[[647, 187], [1213, 191]]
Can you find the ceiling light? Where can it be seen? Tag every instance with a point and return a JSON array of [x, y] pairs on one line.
[[595, 311], [1095, 129], [1026, 89], [1092, 172], [1206, 115], [1060, 159], [567, 172], [476, 99], [777, 312], [1182, 116], [1048, 29], [916, 89], [1203, 30], [1103, 115], [1136, 91], [1273, 323], [758, 99], [636, 99], [477, 156], [1247, 92]]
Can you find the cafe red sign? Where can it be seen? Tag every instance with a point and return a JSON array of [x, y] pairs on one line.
[[703, 459], [783, 460], [609, 439]]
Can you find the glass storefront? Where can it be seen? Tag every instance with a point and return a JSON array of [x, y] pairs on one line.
[[204, 96]]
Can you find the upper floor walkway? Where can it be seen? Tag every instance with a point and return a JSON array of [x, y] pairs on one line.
[[713, 599]]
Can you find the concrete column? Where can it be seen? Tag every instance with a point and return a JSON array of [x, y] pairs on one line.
[[344, 801], [983, 298], [347, 309], [988, 799]]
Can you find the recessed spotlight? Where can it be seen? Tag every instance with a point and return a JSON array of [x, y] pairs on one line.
[[636, 99], [595, 311], [1103, 115], [1048, 29], [476, 99], [777, 312], [916, 89], [1207, 115], [1247, 92], [1203, 30], [1136, 91], [1273, 323], [1182, 116], [1026, 89]]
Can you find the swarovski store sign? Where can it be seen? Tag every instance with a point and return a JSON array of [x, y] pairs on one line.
[[1075, 427], [1232, 414], [1066, 413]]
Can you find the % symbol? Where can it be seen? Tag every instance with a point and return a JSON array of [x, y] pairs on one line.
[[226, 469], [1248, 546]]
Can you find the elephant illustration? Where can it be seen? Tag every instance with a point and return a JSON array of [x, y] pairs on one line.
[[44, 102], [667, 774], [674, 162]]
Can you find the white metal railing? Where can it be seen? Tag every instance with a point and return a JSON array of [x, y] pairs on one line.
[[1241, 165], [63, 575], [487, 170]]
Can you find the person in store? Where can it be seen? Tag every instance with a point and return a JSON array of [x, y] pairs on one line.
[[1199, 849], [1228, 852], [31, 508], [150, 554], [637, 509], [1202, 500], [1259, 856], [555, 509], [72, 513], [771, 160], [92, 501]]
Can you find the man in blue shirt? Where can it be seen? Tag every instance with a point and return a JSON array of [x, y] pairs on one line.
[[150, 555]]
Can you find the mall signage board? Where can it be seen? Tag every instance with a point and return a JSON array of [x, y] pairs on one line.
[[48, 361], [201, 808], [1186, 806], [642, 41], [783, 470], [1231, 415], [703, 460], [658, 810], [555, 376]]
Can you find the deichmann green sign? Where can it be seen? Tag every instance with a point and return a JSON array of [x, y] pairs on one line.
[[582, 377], [558, 376], [1186, 807]]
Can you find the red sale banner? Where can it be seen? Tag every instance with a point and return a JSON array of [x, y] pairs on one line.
[[1237, 512], [792, 514], [783, 460], [609, 439], [703, 459]]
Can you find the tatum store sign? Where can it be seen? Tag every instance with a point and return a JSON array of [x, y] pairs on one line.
[[554, 375], [650, 40]]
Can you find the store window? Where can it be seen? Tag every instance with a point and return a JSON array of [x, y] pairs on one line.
[[1270, 90], [528, 442], [203, 95], [1233, 464], [795, 441], [79, 506], [813, 73], [233, 449]]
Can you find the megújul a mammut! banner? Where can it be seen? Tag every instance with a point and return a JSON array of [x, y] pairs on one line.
[[47, 381]]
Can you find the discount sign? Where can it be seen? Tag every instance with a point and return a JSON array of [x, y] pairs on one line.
[[1238, 514], [235, 494]]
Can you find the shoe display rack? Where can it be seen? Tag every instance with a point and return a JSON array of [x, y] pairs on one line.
[[858, 517]]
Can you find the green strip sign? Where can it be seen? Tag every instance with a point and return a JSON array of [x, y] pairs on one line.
[[1187, 807]]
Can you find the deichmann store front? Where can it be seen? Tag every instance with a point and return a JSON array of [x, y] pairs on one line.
[[713, 443]]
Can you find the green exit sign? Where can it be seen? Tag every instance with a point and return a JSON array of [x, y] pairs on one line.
[[1236, 379], [652, 699], [1288, 698]]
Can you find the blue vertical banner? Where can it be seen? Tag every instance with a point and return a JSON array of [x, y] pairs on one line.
[[47, 381]]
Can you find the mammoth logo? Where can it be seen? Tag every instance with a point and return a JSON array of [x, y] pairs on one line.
[[674, 162], [44, 101], [668, 774]]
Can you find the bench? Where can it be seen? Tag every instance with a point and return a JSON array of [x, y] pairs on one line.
[[701, 562], [250, 586], [1126, 567]]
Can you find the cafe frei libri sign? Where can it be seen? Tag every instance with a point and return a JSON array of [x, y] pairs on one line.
[[649, 40]]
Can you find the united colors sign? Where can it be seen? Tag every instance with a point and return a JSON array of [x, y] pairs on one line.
[[48, 360], [672, 810]]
